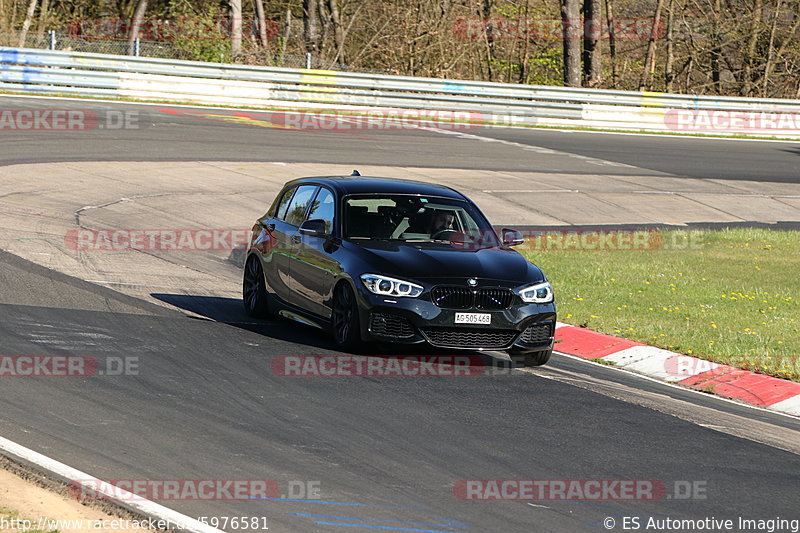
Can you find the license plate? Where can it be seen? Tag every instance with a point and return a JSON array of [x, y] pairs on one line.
[[473, 318]]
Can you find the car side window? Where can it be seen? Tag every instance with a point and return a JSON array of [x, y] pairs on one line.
[[297, 207], [280, 210], [323, 208]]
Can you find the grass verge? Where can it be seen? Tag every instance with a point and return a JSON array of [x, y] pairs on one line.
[[730, 296], [12, 517]]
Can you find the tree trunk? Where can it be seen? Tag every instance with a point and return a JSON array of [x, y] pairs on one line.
[[43, 8], [612, 42], [592, 28], [236, 27], [716, 51], [669, 74], [571, 26], [650, 59], [311, 26], [750, 58], [27, 23], [136, 24], [262, 22], [287, 35], [488, 36], [338, 31]]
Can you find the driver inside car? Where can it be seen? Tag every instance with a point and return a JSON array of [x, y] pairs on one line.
[[442, 221]]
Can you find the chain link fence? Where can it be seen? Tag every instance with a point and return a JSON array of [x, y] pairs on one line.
[[215, 51]]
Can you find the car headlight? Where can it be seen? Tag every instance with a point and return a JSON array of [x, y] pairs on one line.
[[386, 286], [541, 293]]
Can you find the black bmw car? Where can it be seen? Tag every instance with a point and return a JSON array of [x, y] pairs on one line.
[[387, 260]]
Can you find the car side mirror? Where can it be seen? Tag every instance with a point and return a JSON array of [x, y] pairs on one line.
[[315, 226], [512, 237]]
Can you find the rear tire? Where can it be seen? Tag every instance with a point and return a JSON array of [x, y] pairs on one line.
[[345, 325], [254, 289]]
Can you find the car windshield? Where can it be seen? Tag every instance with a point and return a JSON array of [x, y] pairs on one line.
[[416, 219]]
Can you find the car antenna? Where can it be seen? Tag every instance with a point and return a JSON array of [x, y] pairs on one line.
[[356, 173]]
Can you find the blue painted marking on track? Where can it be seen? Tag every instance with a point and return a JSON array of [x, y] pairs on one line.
[[377, 520], [392, 528], [326, 502], [453, 523]]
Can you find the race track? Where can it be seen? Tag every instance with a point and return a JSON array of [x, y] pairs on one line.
[[386, 452]]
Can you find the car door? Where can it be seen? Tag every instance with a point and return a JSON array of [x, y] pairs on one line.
[[314, 267], [284, 240]]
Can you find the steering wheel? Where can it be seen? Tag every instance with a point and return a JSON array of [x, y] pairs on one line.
[[446, 231]]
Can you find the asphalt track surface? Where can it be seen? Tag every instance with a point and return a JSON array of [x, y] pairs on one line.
[[386, 452], [189, 134]]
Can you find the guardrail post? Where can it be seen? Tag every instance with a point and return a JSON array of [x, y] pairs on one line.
[[52, 39], [308, 60], [136, 47]]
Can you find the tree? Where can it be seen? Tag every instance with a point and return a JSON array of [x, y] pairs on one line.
[[311, 27], [650, 58], [262, 22], [27, 23], [338, 31], [136, 23], [592, 28], [236, 27], [571, 26]]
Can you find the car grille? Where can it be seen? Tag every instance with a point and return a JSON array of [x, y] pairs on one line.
[[464, 298], [390, 325], [537, 334], [469, 337], [493, 298], [452, 297]]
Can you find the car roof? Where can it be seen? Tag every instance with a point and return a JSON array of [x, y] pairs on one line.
[[368, 184]]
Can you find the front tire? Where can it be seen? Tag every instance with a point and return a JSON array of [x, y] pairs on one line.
[[538, 358], [522, 358], [345, 325], [254, 289]]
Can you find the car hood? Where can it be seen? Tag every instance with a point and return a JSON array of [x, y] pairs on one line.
[[431, 261]]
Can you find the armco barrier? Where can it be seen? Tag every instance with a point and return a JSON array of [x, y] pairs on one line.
[[140, 78]]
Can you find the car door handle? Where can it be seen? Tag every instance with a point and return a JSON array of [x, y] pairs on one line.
[[297, 239]]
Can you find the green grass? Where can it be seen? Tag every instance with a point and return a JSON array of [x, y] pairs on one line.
[[12, 514], [730, 296]]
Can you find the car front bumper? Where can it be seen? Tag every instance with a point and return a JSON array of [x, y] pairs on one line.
[[524, 327]]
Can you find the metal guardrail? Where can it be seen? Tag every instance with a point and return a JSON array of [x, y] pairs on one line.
[[154, 79]]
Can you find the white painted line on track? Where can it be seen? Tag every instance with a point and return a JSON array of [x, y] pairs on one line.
[[123, 498]]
